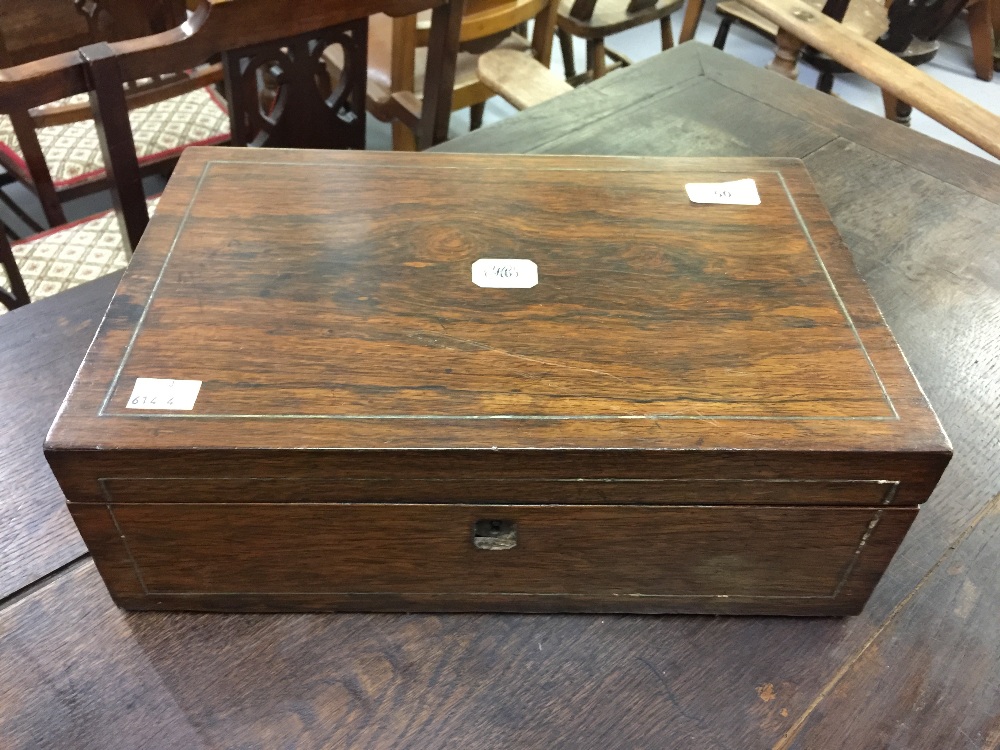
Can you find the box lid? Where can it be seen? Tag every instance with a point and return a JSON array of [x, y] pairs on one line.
[[326, 300]]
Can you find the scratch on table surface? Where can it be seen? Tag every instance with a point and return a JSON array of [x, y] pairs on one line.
[[669, 692], [967, 598]]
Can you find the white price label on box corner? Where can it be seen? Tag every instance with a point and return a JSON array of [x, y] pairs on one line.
[[163, 393], [735, 193]]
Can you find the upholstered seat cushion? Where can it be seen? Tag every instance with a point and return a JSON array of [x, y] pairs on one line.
[[70, 255], [73, 153]]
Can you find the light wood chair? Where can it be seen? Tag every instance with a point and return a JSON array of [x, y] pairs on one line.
[[867, 18], [902, 86], [595, 20], [263, 29], [397, 54], [803, 24], [53, 148]]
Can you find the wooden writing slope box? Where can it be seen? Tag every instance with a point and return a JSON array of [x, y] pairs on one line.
[[698, 408]]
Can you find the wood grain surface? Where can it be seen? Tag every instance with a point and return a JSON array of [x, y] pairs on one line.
[[648, 306], [41, 353], [917, 669]]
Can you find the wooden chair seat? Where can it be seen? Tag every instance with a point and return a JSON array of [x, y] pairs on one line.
[[59, 259], [73, 151]]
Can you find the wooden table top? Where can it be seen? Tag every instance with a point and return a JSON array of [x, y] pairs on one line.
[[919, 668]]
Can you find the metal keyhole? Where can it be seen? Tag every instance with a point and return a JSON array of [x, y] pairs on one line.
[[491, 534]]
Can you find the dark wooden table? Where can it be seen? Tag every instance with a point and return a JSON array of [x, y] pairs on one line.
[[919, 668]]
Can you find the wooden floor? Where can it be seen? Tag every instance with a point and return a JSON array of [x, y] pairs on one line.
[[919, 668]]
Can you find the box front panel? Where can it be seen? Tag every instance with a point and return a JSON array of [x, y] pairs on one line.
[[625, 555]]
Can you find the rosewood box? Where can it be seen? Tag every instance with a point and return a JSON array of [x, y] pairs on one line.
[[362, 381]]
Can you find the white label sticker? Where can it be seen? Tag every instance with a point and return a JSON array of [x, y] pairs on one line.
[[505, 273], [736, 193], [160, 393]]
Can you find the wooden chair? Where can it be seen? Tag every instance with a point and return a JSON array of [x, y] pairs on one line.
[[264, 31], [397, 55], [805, 25], [902, 85], [867, 18], [595, 20], [53, 148]]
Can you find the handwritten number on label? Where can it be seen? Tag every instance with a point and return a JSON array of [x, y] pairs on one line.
[[164, 394], [505, 273]]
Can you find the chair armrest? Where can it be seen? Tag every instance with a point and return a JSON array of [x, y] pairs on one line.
[[519, 78], [884, 69]]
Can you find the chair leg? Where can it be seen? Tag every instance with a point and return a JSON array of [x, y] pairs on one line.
[[666, 34], [596, 63], [476, 115], [981, 33], [723, 33], [403, 138], [995, 18], [566, 47], [24, 130], [20, 213], [18, 295], [692, 15], [825, 82], [786, 55], [896, 110]]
